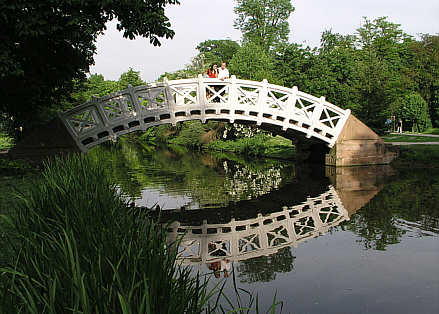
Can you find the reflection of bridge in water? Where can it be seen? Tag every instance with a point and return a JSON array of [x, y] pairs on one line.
[[245, 238], [263, 235]]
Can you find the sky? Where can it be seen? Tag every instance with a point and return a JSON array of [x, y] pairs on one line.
[[195, 21]]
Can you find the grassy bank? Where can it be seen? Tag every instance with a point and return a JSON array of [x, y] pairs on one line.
[[409, 138], [261, 145], [80, 249]]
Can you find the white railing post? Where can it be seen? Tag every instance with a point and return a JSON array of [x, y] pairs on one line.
[[201, 97], [315, 118], [262, 100], [233, 97], [169, 100], [291, 106], [136, 103]]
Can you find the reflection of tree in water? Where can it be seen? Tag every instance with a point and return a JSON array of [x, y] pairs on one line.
[[264, 268], [408, 204], [209, 180], [246, 183]]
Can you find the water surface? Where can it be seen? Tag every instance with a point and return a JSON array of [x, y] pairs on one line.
[[351, 240]]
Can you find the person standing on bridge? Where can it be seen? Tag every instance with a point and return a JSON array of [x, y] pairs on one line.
[[223, 73], [212, 72]]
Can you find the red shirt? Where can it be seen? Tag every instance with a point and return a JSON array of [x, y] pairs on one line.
[[212, 73]]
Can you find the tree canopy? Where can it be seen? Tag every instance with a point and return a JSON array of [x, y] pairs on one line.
[[46, 45], [264, 22], [217, 51]]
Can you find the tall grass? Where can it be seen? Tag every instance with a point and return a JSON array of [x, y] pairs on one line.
[[80, 249]]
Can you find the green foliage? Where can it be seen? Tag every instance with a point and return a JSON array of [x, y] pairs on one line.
[[419, 156], [130, 77], [46, 45], [216, 51], [414, 110], [80, 248], [380, 68], [423, 70], [408, 138], [263, 22], [190, 135], [94, 86], [6, 141], [259, 145], [252, 62], [434, 131]]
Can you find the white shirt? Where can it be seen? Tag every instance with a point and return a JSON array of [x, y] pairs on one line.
[[223, 74]]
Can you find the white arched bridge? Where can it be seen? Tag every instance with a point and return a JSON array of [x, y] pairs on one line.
[[138, 108], [298, 115]]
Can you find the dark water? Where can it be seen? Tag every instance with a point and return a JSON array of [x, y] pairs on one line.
[[324, 240]]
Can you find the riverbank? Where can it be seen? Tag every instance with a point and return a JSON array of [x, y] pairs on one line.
[[53, 226]]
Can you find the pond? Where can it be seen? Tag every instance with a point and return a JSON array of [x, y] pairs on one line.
[[323, 240]]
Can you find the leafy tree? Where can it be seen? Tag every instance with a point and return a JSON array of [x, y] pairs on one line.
[[414, 109], [46, 45], [378, 78], [252, 62], [130, 77], [333, 72], [423, 68], [95, 86], [293, 63], [264, 22], [217, 51]]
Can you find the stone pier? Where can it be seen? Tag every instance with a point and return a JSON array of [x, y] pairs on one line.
[[358, 145]]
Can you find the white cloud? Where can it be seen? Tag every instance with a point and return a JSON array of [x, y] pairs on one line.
[[197, 20]]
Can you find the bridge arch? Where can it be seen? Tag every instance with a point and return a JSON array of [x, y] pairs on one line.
[[296, 114], [139, 108]]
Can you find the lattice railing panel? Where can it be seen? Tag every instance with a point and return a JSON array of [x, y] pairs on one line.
[[248, 95], [83, 121], [185, 95], [152, 99], [117, 107]]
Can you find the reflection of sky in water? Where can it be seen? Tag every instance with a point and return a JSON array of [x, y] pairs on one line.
[[153, 197], [334, 274]]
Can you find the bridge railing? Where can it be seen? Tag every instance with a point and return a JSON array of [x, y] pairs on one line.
[[138, 108]]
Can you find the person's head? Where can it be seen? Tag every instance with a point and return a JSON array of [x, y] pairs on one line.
[[214, 66], [223, 65]]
